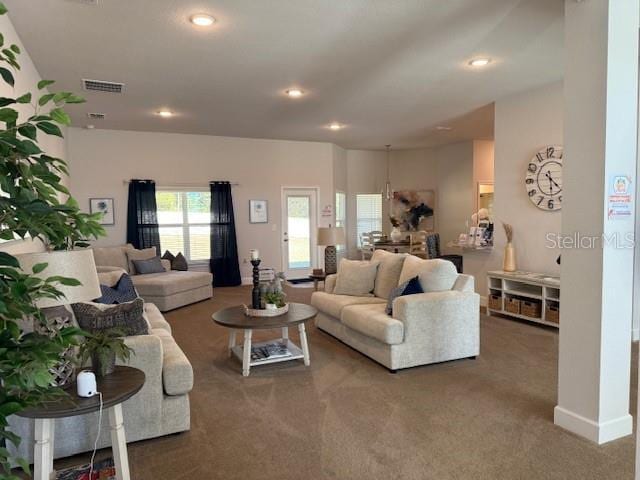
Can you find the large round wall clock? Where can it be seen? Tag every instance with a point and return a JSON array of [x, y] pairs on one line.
[[544, 178]]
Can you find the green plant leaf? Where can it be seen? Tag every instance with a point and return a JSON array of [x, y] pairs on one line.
[[60, 116], [8, 115], [4, 101], [15, 48], [28, 131], [39, 267], [26, 98], [7, 76], [50, 128], [3, 9], [44, 99], [45, 83], [9, 260]]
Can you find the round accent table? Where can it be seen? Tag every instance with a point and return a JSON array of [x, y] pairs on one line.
[[116, 388], [273, 351]]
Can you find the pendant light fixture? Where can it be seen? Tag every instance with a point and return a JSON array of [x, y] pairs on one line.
[[387, 187]]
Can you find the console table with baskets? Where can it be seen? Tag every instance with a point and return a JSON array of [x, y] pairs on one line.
[[524, 295]]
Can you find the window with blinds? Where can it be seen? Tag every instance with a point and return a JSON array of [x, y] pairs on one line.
[[368, 213], [183, 219], [341, 214]]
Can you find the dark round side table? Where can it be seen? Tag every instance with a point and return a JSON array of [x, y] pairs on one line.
[[234, 319], [116, 388]]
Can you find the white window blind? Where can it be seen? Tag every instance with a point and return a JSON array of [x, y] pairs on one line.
[[341, 214], [368, 213], [183, 219]]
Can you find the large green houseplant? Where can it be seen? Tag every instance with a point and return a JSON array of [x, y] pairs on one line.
[[33, 203]]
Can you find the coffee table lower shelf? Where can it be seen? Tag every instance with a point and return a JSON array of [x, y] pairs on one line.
[[295, 350], [243, 351]]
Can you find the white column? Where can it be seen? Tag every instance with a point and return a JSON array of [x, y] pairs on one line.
[[600, 128]]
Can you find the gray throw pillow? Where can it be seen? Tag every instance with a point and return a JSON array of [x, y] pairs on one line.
[[152, 265], [144, 254], [128, 317], [179, 263], [355, 278], [168, 256]]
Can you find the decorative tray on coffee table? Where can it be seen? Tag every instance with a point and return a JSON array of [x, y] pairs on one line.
[[266, 312]]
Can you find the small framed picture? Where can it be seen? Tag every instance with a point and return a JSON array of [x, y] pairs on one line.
[[104, 206], [258, 211]]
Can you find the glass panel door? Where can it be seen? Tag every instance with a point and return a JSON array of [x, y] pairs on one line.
[[299, 243]]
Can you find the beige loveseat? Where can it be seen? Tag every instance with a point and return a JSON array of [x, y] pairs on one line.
[[160, 408], [440, 325], [168, 290]]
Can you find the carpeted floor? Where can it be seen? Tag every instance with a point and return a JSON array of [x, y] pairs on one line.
[[346, 417]]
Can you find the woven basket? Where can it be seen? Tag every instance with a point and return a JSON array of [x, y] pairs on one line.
[[512, 305], [495, 302], [530, 308], [251, 312], [552, 314]]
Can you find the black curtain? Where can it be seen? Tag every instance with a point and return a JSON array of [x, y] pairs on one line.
[[142, 215], [224, 248]]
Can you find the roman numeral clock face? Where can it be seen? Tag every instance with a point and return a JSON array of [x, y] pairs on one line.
[[544, 179]]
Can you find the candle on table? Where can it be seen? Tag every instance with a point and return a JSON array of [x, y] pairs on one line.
[[255, 255]]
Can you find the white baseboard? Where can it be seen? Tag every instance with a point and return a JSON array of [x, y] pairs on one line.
[[596, 432]]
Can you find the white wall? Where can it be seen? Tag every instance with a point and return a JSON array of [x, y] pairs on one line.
[[26, 80], [102, 159], [524, 124]]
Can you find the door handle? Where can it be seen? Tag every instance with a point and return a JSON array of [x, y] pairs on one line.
[[286, 240]]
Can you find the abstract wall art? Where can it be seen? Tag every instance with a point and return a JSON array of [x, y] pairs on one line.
[[413, 210]]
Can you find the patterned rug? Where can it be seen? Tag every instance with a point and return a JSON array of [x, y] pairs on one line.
[[103, 470]]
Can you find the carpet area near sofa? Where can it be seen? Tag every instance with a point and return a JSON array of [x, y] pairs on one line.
[[346, 417]]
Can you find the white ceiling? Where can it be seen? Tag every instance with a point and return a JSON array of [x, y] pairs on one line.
[[391, 70]]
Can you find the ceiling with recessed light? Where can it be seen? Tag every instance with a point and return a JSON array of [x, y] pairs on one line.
[[389, 72]]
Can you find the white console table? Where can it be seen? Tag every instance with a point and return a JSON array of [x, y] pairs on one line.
[[524, 286]]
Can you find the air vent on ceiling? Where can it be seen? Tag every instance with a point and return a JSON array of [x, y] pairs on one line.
[[96, 116], [86, 2], [102, 86]]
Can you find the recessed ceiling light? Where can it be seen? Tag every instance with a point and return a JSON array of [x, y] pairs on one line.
[[294, 92], [443, 128], [165, 113], [335, 126], [480, 62], [202, 20]]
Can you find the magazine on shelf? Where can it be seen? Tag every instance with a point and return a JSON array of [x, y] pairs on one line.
[[270, 351]]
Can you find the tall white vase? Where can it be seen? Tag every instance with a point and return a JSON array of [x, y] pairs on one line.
[[396, 234]]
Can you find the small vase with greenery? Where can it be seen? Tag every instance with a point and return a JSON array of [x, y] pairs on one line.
[[277, 299], [103, 348], [34, 204]]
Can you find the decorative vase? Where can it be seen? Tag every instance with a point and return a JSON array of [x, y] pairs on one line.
[[103, 368], [271, 306], [396, 234], [509, 263]]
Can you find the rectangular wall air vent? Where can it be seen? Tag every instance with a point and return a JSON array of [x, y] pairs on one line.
[[102, 86], [96, 116], [86, 2]]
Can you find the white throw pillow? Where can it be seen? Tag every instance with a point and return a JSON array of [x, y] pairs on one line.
[[436, 275], [389, 269], [356, 278]]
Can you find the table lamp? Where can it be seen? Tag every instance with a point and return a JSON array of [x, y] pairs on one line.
[[78, 264], [329, 237]]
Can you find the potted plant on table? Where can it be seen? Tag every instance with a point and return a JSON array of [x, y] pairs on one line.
[[274, 300], [103, 348], [34, 204]]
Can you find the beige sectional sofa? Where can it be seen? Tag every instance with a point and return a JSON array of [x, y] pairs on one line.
[[168, 290], [439, 325], [160, 408]]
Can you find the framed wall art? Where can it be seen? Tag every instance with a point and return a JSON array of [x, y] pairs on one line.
[[258, 211], [104, 206]]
